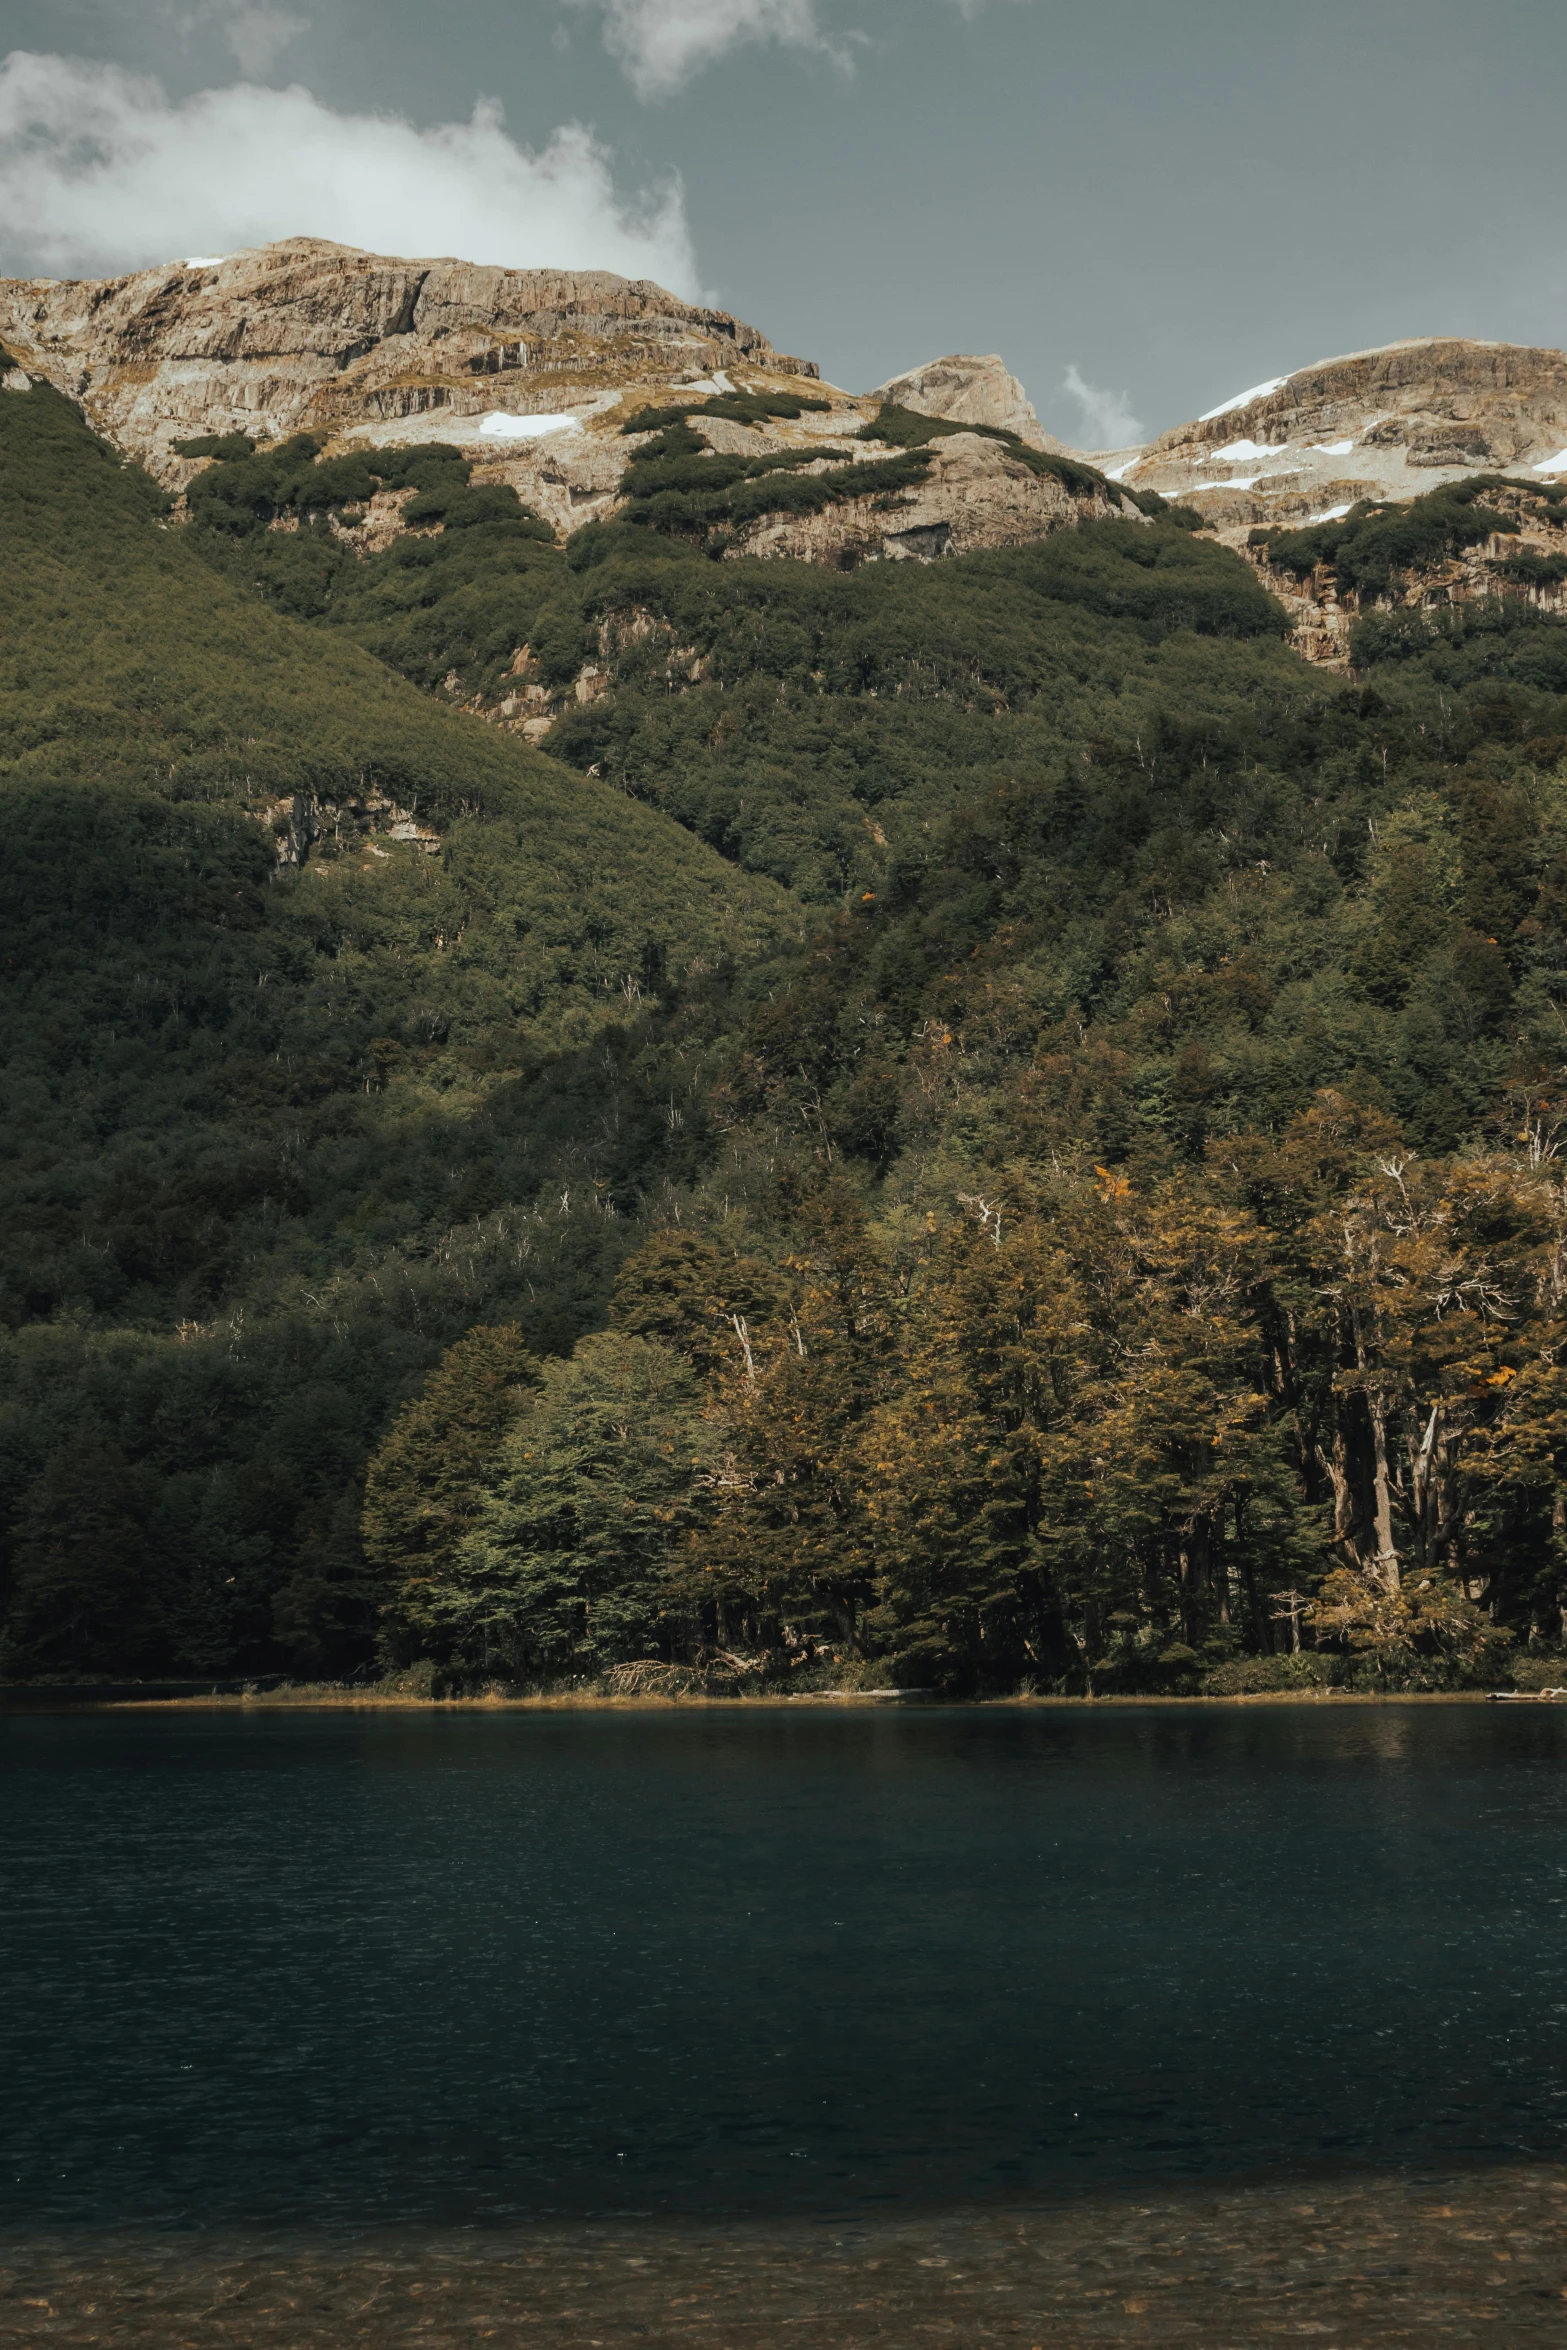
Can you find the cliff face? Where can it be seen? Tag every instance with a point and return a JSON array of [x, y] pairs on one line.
[[976, 494], [309, 335], [1388, 423], [1529, 559]]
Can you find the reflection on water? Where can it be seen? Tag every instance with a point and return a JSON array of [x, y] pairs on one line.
[[453, 1984]]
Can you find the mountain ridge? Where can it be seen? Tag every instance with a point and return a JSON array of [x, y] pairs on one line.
[[535, 375]]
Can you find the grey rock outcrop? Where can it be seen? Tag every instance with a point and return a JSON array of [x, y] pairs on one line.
[[970, 391]]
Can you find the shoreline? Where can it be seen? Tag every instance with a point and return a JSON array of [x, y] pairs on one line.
[[328, 1697], [1369, 2256]]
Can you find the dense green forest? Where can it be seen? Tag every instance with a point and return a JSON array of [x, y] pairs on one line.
[[975, 1125], [273, 1136]]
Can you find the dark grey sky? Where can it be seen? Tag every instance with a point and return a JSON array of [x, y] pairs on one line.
[[1178, 198]]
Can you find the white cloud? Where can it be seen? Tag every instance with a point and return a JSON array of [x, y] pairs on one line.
[[257, 32], [100, 172], [1108, 422], [662, 43]]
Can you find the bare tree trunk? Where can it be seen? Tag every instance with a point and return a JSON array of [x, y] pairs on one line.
[[1387, 1556], [1334, 1465], [1425, 1486], [1385, 1566]]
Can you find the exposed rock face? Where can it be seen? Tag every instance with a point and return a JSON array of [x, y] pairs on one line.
[[306, 334], [1385, 425], [530, 372], [977, 493], [970, 391], [1322, 613], [299, 822], [1388, 423]]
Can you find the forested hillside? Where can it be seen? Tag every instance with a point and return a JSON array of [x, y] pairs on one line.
[[1068, 1193], [264, 1135]]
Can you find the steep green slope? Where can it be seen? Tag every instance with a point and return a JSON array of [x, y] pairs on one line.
[[251, 1115], [834, 719], [1134, 1198]]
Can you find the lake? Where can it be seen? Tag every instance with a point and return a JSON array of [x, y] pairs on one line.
[[321, 1977]]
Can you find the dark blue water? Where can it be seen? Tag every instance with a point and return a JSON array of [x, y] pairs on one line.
[[411, 1967]]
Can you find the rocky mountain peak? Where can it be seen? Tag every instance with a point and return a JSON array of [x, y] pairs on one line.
[[1386, 423], [965, 390], [308, 335], [534, 375]]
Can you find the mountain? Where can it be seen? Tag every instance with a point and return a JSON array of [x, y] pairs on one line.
[[1349, 483], [532, 374], [591, 1097], [305, 334], [1391, 423], [971, 391]]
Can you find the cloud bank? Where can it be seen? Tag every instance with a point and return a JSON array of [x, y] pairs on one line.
[[100, 172], [662, 43], [1108, 422]]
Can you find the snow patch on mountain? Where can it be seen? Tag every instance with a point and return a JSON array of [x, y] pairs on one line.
[[501, 425], [1275, 383]]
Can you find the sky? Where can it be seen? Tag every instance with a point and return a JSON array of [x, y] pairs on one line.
[[1144, 205]]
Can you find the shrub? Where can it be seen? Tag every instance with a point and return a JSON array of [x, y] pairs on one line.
[[216, 444], [459, 508], [680, 488], [1537, 1669], [735, 407], [1527, 569], [1270, 1676], [905, 428]]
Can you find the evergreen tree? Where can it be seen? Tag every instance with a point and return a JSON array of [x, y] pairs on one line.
[[428, 1478], [88, 1596], [579, 1559]]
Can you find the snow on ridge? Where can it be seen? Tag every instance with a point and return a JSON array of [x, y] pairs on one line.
[[1275, 383], [1556, 464], [1332, 513], [203, 260], [1242, 481], [1233, 450], [501, 425]]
